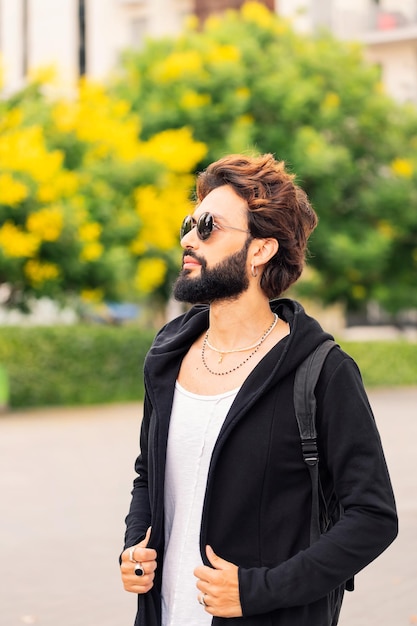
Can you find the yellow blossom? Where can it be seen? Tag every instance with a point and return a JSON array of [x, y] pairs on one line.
[[179, 65], [24, 150], [17, 243], [91, 251], [212, 23], [258, 14], [105, 121], [39, 272], [46, 223], [43, 75], [191, 23], [63, 185], [98, 119], [64, 115], [331, 101], [193, 100], [175, 148], [150, 275], [97, 152], [281, 26], [386, 229], [402, 168], [245, 120], [243, 93], [11, 119], [92, 295], [165, 206], [224, 54], [89, 232], [380, 88], [12, 191]]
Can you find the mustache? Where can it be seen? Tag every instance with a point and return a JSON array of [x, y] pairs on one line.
[[192, 254]]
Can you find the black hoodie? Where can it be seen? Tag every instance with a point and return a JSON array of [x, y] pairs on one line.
[[257, 505]]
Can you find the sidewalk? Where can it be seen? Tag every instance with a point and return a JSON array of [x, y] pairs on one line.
[[65, 477]]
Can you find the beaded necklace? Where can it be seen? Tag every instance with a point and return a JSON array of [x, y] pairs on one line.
[[256, 347]]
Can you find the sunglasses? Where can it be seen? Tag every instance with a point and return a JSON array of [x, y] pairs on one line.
[[205, 226]]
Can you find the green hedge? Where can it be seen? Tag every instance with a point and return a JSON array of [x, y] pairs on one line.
[[69, 365], [384, 363], [83, 364]]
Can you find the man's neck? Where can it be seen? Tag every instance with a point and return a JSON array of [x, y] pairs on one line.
[[238, 322]]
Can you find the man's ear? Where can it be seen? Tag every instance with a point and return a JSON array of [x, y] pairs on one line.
[[265, 249]]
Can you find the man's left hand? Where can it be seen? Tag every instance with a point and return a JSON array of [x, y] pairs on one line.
[[219, 586]]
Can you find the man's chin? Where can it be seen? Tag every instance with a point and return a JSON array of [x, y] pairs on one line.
[[182, 289], [186, 297]]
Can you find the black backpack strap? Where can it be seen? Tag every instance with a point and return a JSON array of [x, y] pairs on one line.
[[305, 405]]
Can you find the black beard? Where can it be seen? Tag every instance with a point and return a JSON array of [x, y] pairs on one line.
[[225, 281]]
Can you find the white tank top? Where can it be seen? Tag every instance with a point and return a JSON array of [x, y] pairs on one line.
[[194, 427]]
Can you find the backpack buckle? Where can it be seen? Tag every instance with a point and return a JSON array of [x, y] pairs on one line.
[[310, 451]]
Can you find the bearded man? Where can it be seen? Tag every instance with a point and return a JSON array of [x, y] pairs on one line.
[[219, 522]]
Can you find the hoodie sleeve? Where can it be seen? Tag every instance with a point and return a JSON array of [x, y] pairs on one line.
[[139, 516], [350, 447]]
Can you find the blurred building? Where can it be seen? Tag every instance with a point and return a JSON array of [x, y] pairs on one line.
[[388, 28], [87, 36], [79, 36], [204, 8]]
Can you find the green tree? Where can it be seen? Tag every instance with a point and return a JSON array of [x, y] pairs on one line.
[[83, 200], [247, 82]]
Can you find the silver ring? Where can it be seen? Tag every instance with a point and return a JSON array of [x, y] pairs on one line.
[[139, 571], [131, 553], [201, 600]]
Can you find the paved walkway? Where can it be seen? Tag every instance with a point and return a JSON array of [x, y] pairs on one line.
[[65, 476]]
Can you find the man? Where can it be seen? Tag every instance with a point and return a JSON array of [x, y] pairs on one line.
[[218, 527]]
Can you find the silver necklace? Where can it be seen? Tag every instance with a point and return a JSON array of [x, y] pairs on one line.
[[255, 348], [223, 352]]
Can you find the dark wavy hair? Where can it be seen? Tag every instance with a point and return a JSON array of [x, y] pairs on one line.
[[277, 208]]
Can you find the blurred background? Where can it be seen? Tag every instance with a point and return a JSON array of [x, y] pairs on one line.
[[108, 109]]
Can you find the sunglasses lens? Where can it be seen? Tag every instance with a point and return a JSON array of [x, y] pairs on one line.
[[187, 225], [205, 226]]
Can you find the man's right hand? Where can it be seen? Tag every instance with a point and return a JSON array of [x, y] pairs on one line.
[[144, 556]]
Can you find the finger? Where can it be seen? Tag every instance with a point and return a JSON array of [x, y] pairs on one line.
[[137, 572], [137, 585], [144, 542], [204, 573], [216, 561], [138, 577], [140, 552], [203, 599]]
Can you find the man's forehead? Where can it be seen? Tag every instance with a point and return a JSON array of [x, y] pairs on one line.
[[222, 201]]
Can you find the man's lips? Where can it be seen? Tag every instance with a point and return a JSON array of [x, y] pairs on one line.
[[189, 263]]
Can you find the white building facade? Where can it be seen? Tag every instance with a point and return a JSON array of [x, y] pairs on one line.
[[79, 36], [87, 36]]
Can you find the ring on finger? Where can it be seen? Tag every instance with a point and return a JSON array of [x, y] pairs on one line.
[[131, 554], [201, 599]]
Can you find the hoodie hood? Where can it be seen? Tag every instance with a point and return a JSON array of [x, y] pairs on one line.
[[175, 338]]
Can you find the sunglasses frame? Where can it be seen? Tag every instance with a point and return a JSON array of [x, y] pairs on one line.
[[204, 226]]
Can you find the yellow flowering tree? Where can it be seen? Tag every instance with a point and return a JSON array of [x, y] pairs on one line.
[[246, 81], [87, 207]]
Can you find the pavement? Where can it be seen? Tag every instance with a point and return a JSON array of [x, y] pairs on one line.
[[65, 479]]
